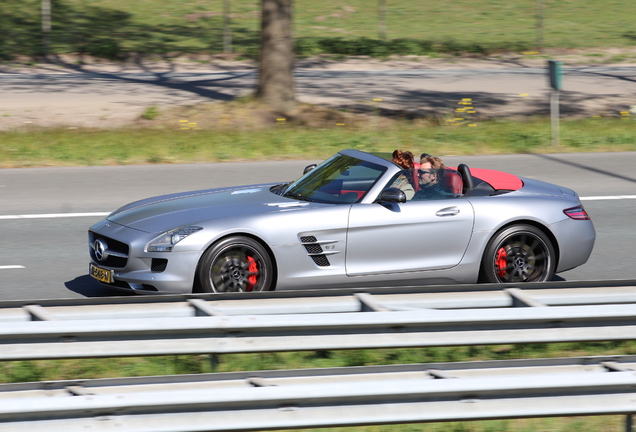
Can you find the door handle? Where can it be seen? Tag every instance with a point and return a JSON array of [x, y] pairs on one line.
[[449, 211]]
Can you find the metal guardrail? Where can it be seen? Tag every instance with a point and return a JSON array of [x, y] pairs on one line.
[[314, 293], [326, 397], [318, 322], [319, 301]]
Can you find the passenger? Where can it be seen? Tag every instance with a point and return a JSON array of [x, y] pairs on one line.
[[404, 159], [403, 181], [429, 174]]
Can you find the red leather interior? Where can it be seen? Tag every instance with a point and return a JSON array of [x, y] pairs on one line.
[[360, 193], [452, 181], [497, 179]]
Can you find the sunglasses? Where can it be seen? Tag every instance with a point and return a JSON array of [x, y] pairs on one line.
[[422, 172]]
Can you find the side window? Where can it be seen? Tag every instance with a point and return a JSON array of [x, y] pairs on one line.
[[405, 180]]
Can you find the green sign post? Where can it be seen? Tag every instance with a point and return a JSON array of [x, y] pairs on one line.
[[555, 71], [555, 74]]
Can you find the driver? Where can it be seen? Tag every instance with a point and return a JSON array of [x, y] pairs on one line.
[[429, 176]]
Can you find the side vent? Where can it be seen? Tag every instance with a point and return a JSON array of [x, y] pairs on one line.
[[321, 260], [314, 250]]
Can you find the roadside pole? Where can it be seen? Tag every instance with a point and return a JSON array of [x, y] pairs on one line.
[[555, 73], [227, 27], [46, 27], [539, 25]]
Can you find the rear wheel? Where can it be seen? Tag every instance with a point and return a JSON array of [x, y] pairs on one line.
[[235, 264], [519, 253]]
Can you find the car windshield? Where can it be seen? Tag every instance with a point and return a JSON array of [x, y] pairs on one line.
[[338, 180]]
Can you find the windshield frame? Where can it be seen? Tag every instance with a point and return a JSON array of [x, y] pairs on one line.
[[331, 182]]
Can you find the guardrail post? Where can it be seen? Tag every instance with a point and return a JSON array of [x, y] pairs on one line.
[[214, 361], [628, 423]]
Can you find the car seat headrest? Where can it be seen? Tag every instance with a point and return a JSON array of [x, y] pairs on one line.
[[467, 177]]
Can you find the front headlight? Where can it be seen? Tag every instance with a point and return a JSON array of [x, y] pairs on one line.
[[166, 241]]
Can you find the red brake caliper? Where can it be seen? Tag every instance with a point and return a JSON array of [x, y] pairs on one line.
[[252, 268], [500, 262]]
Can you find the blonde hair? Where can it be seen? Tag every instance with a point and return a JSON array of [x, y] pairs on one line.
[[436, 163]]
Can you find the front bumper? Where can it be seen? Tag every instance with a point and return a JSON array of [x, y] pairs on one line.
[[142, 272], [137, 276]]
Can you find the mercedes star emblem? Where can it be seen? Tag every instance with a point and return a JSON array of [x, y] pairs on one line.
[[101, 248]]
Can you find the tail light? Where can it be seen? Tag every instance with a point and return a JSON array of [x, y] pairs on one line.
[[577, 213]]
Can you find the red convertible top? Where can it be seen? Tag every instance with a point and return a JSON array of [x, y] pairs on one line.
[[497, 179]]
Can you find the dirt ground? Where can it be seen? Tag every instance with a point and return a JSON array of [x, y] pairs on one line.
[[217, 63], [34, 97]]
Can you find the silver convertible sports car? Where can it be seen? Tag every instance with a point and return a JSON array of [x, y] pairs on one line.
[[355, 220]]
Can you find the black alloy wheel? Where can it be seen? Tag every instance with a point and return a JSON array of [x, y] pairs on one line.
[[519, 253], [235, 264]]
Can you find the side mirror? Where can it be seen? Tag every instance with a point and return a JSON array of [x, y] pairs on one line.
[[393, 195], [309, 168]]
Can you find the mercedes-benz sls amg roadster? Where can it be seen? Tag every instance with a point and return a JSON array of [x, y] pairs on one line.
[[344, 224]]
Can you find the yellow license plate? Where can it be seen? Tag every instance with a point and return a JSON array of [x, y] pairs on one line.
[[101, 274]]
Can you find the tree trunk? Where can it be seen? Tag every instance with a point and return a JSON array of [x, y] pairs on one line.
[[276, 69]]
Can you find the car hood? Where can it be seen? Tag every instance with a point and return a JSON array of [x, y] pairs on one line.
[[166, 212]]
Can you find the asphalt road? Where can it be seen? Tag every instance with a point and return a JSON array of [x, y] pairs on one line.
[[85, 98], [46, 211]]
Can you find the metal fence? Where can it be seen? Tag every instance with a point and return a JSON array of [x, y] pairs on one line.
[[317, 321], [326, 397], [311, 320]]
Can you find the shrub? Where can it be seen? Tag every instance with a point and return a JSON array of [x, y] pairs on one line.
[[150, 113]]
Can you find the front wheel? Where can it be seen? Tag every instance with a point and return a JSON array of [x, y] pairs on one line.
[[235, 264], [520, 253]]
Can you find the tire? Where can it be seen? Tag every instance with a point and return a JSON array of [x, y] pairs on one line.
[[519, 253], [235, 264]]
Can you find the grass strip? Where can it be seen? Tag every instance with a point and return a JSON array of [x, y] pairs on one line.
[[48, 370], [82, 147]]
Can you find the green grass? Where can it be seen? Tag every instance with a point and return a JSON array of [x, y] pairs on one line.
[[63, 147], [112, 28], [46, 370]]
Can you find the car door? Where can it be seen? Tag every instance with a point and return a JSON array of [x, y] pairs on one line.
[[411, 236]]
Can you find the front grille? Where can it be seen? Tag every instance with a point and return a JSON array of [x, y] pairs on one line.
[[113, 245], [120, 284], [157, 265]]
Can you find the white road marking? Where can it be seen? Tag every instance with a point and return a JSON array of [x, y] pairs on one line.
[[53, 215], [600, 198], [7, 267]]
